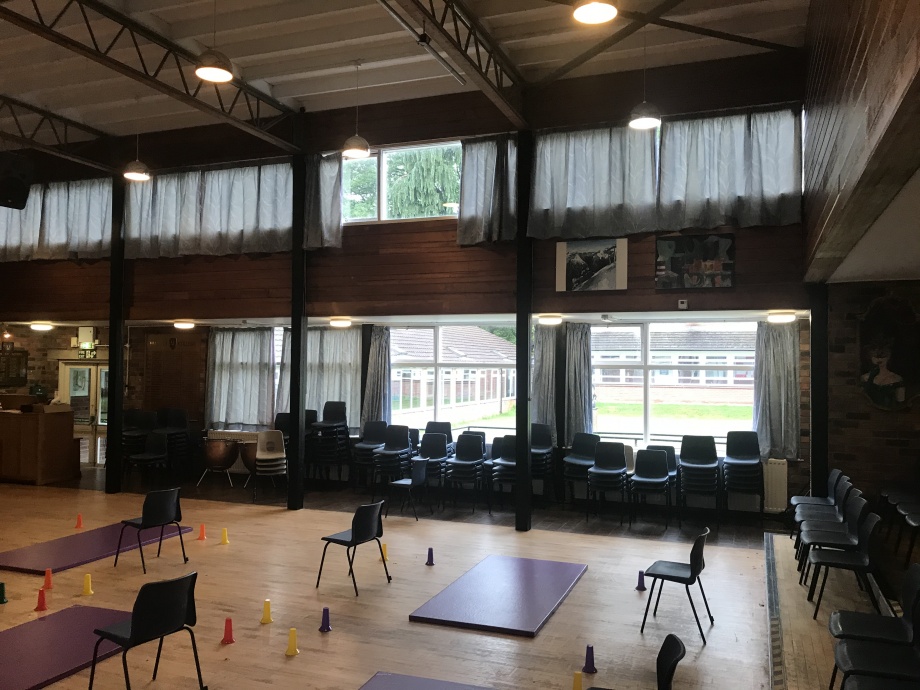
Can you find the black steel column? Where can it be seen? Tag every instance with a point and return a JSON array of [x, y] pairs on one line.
[[524, 308], [817, 294], [560, 380], [296, 444], [113, 459]]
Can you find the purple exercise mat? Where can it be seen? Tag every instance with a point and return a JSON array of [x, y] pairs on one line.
[[395, 681], [78, 549], [503, 594], [57, 645]]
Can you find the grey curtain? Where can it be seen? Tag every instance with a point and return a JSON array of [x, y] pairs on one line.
[[377, 390], [776, 390], [241, 379], [324, 202], [62, 220], [283, 388], [593, 183], [543, 392], [213, 212], [488, 201], [740, 170], [579, 394]]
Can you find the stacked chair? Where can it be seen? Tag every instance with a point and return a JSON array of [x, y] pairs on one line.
[[418, 480], [742, 469], [173, 423], [330, 445], [441, 428], [283, 424], [466, 465], [671, 455], [579, 460], [504, 464], [271, 459], [608, 475], [391, 462], [362, 458], [541, 455], [651, 477], [137, 425], [435, 449], [699, 473]]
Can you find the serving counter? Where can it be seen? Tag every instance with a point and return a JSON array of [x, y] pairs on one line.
[[37, 447]]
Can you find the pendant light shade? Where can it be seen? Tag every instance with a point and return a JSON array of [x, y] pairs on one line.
[[214, 66], [356, 147], [594, 11], [137, 172], [645, 116]]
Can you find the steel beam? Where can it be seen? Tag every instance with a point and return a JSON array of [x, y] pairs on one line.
[[455, 30], [151, 59], [616, 37], [51, 127], [702, 31]]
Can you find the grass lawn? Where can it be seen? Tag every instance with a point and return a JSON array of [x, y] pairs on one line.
[[677, 411]]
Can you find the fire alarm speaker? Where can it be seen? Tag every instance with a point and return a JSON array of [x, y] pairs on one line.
[[16, 174]]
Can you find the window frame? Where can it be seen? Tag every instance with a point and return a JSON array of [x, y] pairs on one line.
[[378, 155]]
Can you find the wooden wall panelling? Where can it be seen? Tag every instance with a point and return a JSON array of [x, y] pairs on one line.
[[174, 370], [862, 104], [54, 290], [768, 275]]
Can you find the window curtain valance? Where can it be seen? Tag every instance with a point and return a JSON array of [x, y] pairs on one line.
[[488, 190], [742, 170], [591, 183], [215, 212], [62, 220]]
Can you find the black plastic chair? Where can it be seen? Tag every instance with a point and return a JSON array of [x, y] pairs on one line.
[[436, 450], [417, 480], [441, 428], [742, 468], [857, 625], [833, 479], [858, 561], [608, 475], [887, 662], [699, 473], [366, 526], [504, 465], [650, 478], [682, 573], [161, 609], [283, 424], [671, 652], [541, 455], [580, 457], [874, 683], [671, 454], [466, 466], [362, 458], [161, 508], [392, 460], [831, 535], [155, 453]]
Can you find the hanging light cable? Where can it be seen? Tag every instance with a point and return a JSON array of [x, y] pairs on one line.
[[645, 115], [136, 171], [356, 146], [213, 65]]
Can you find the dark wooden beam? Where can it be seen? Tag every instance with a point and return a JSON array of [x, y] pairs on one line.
[[523, 479], [113, 459], [617, 37]]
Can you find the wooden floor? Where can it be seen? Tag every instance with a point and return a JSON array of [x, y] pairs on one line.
[[274, 553]]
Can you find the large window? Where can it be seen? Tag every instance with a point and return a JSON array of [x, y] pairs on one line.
[[403, 183], [464, 375], [655, 382]]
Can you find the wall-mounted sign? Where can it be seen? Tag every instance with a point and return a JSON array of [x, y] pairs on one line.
[[14, 366], [86, 354]]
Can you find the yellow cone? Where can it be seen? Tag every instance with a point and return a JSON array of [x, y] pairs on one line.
[[384, 549], [224, 539], [576, 683], [87, 585], [267, 612], [292, 643]]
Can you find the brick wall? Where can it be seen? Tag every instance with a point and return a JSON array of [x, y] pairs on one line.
[[876, 447], [799, 477]]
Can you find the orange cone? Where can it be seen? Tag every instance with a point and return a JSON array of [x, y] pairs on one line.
[[42, 606], [201, 535], [228, 632], [48, 584], [79, 524]]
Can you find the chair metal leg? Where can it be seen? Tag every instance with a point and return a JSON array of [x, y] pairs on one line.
[[833, 677], [412, 504], [160, 547], [140, 547], [658, 599], [351, 567], [92, 669], [649, 603], [202, 478], [322, 560], [814, 583], [181, 542], [821, 593], [118, 548], [201, 685], [384, 560], [693, 608], [708, 612], [124, 664], [910, 547], [229, 478], [156, 664]]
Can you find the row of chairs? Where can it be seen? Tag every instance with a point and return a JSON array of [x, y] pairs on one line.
[[155, 439], [697, 470]]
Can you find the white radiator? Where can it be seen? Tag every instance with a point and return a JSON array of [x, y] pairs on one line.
[[775, 486]]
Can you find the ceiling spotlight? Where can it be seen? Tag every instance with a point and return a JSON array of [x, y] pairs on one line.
[[549, 319], [594, 11], [339, 322], [781, 317], [184, 325], [136, 172], [356, 146], [6, 334], [214, 66], [40, 326]]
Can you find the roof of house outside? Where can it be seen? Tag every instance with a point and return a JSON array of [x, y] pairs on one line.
[[459, 344], [621, 340]]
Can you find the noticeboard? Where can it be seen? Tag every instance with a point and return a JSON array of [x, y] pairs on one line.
[[14, 368]]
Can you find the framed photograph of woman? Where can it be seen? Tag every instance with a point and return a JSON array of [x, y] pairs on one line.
[[888, 335]]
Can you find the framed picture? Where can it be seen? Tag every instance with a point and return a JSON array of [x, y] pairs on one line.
[[591, 265], [7, 346], [690, 262]]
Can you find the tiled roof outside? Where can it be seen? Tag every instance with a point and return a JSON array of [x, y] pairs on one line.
[[459, 344]]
